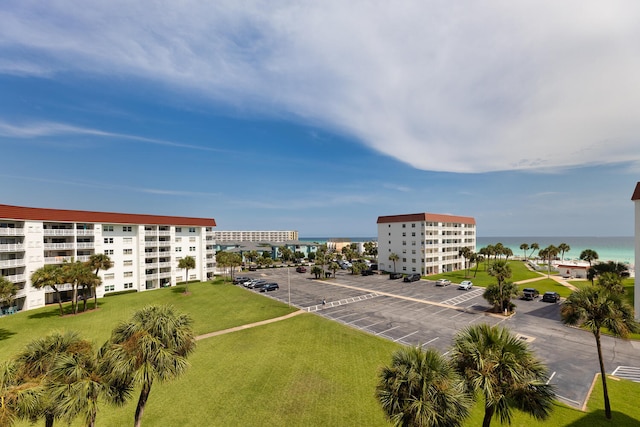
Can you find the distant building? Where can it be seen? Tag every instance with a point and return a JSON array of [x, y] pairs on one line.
[[425, 243], [337, 244], [255, 236], [144, 249], [636, 199], [273, 248]]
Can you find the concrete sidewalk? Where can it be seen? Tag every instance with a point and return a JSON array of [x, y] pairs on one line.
[[248, 325]]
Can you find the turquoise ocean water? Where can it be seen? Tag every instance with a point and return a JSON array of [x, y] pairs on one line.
[[620, 249]]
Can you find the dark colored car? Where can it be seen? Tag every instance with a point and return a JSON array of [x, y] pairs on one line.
[[253, 268], [551, 297], [240, 279], [529, 294], [367, 272], [301, 269], [395, 276], [269, 287], [414, 277]]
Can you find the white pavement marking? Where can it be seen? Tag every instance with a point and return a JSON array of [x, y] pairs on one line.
[[357, 320], [408, 335], [387, 330], [551, 377], [430, 341], [628, 373], [349, 300], [459, 299]]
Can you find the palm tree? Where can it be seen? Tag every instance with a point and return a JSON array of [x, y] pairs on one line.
[[393, 257], [465, 252], [37, 360], [525, 248], [500, 295], [77, 274], [563, 248], [589, 255], [251, 256], [18, 400], [486, 255], [507, 252], [595, 308], [98, 262], [334, 267], [549, 253], [498, 250], [152, 345], [477, 259], [187, 263], [317, 271], [499, 366], [421, 388], [7, 291], [50, 275], [501, 271], [534, 247], [612, 282]]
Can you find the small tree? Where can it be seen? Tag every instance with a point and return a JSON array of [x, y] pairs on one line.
[[589, 255], [525, 248], [50, 275], [187, 263], [98, 262], [563, 248], [534, 248], [465, 252], [7, 291], [393, 257], [317, 271], [334, 267]]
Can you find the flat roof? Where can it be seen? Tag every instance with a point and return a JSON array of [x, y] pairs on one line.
[[65, 215], [426, 217]]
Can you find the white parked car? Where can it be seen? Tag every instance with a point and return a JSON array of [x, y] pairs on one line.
[[443, 282], [466, 285]]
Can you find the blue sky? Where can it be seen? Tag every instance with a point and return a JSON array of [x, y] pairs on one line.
[[321, 116]]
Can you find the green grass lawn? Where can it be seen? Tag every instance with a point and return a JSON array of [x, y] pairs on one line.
[[482, 278], [303, 371], [547, 285]]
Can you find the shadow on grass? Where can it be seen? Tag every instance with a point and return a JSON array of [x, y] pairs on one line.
[[4, 334], [597, 419], [54, 310], [178, 289]]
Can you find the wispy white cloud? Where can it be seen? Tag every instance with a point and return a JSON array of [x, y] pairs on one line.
[[464, 87], [44, 129], [396, 187]]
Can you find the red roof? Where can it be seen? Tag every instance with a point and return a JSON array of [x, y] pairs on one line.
[[63, 215], [636, 193], [426, 217]]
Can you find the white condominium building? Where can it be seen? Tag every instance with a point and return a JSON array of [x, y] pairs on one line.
[[254, 236], [635, 197], [425, 243], [145, 249]]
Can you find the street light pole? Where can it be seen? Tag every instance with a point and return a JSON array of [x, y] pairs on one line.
[[289, 284]]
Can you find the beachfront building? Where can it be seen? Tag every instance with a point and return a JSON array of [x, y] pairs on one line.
[[636, 201], [425, 243], [273, 248], [336, 244], [145, 249], [255, 236]]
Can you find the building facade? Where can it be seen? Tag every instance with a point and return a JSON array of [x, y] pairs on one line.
[[636, 289], [145, 249], [255, 236], [425, 243]]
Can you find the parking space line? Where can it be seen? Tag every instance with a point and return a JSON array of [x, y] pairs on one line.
[[353, 321], [408, 335], [430, 341], [390, 329], [551, 377]]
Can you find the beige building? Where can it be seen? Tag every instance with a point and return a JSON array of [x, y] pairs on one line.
[[425, 243], [255, 236]]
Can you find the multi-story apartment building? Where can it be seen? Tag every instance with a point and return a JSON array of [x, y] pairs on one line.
[[145, 249], [255, 236], [425, 243], [636, 289]]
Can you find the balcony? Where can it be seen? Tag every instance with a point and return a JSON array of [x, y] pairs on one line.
[[11, 231], [164, 243], [65, 246], [15, 247], [164, 275], [15, 278], [59, 232], [84, 233], [87, 245], [151, 243], [164, 233], [61, 259], [11, 263]]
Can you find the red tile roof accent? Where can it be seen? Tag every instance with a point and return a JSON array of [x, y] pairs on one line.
[[636, 193], [63, 215], [426, 217]]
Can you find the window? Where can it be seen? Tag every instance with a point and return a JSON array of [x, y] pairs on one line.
[[192, 229], [413, 225], [108, 240], [108, 252], [107, 228], [404, 234], [413, 260], [404, 243], [128, 285], [128, 274], [126, 229], [178, 239], [127, 240], [178, 249], [127, 251], [404, 260], [413, 234], [192, 239], [109, 276], [178, 229], [404, 225], [192, 248], [109, 288], [128, 263]]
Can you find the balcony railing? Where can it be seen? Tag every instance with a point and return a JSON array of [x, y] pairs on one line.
[[59, 232], [15, 278], [61, 259], [164, 233], [84, 233], [10, 263], [164, 243], [16, 247], [85, 245], [59, 246], [12, 231], [153, 243]]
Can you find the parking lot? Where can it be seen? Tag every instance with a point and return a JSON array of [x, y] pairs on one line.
[[420, 313]]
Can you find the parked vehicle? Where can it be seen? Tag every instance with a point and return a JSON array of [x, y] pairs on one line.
[[252, 284], [395, 276], [529, 294], [466, 285], [367, 272], [413, 277], [550, 297], [259, 285], [301, 269], [240, 279], [269, 287], [443, 282], [253, 268]]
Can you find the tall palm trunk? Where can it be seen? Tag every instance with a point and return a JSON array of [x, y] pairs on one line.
[[59, 300], [48, 420], [95, 292], [186, 281], [607, 405], [142, 401]]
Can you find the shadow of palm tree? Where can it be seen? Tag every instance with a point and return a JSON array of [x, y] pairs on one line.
[[5, 333], [597, 419]]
